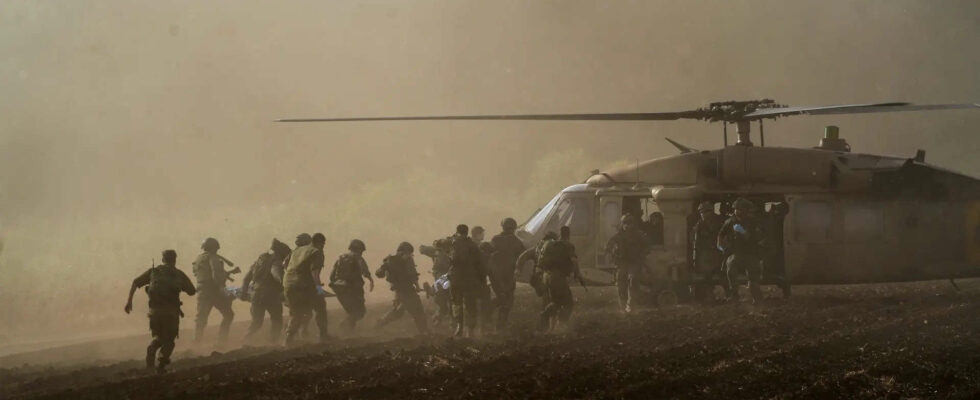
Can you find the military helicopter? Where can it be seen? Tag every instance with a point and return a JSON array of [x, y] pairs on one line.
[[851, 217]]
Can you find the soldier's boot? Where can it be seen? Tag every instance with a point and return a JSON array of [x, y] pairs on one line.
[[166, 349], [151, 354], [756, 292]]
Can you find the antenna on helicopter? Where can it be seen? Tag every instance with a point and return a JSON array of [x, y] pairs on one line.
[[740, 113]]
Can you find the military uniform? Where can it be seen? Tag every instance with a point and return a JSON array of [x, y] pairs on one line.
[[163, 286], [484, 297], [439, 253], [740, 237], [347, 281], [266, 294], [629, 248], [507, 248], [209, 271], [557, 262], [401, 273], [706, 256], [466, 268], [302, 294]]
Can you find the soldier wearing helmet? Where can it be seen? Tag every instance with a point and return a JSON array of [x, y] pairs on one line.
[[628, 248], [303, 288], [211, 276], [465, 269], [347, 280], [399, 270], [707, 258], [439, 253], [484, 301], [264, 278], [502, 268], [740, 240]]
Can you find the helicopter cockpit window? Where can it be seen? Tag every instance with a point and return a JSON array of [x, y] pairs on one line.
[[532, 225], [812, 220], [572, 212]]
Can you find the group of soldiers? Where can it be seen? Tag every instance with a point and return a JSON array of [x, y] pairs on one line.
[[473, 280]]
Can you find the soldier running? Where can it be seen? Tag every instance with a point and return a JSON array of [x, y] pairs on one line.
[[629, 248], [439, 253], [503, 264], [266, 293], [558, 262], [163, 286], [303, 289], [209, 271], [347, 280], [399, 270], [740, 239], [485, 302], [466, 266]]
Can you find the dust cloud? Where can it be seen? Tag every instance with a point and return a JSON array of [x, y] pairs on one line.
[[130, 127]]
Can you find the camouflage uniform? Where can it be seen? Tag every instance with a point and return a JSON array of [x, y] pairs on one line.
[[466, 268], [629, 248], [399, 270], [741, 238], [439, 253], [557, 262], [507, 248], [347, 280], [163, 286], [209, 271], [301, 291], [266, 294], [485, 302]]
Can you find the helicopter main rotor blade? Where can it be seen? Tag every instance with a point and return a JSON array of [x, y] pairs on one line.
[[666, 116], [852, 109]]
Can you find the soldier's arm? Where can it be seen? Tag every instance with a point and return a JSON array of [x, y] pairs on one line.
[[218, 274], [247, 279], [721, 242], [366, 272], [316, 266], [334, 271], [186, 285], [140, 281]]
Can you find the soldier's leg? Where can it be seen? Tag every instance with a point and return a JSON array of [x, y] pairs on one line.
[[223, 305], [320, 316], [754, 276], [204, 305], [359, 309], [300, 311], [257, 311], [622, 287], [412, 304], [458, 298], [171, 327], [565, 302], [732, 272], [397, 310], [275, 320], [155, 342], [472, 312], [505, 302], [486, 307]]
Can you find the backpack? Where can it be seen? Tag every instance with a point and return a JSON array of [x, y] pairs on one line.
[[554, 257], [164, 287]]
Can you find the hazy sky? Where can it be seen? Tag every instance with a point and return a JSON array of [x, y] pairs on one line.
[[113, 105]]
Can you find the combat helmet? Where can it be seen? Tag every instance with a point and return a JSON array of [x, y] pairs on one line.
[[405, 247], [210, 244], [508, 224], [357, 245], [742, 203]]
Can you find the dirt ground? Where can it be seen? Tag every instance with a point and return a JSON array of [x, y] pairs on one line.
[[916, 340]]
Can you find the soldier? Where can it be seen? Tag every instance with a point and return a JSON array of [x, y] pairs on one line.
[[399, 270], [707, 258], [629, 248], [740, 239], [503, 262], [347, 280], [303, 289], [163, 286], [466, 267], [209, 271], [773, 265], [557, 262], [266, 293], [654, 228], [485, 303], [532, 255], [439, 252]]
